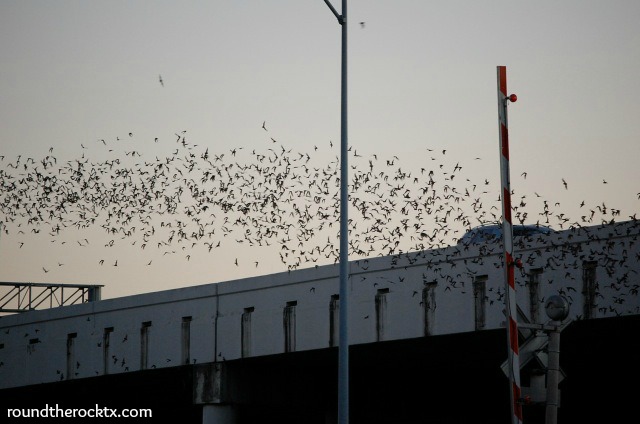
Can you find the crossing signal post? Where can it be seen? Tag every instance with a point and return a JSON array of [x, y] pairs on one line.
[[557, 308]]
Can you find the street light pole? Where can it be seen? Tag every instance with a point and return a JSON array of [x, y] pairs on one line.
[[343, 344]]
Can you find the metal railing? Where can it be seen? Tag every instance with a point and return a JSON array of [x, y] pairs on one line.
[[23, 297]]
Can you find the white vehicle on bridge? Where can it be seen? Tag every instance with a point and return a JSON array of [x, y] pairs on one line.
[[492, 232]]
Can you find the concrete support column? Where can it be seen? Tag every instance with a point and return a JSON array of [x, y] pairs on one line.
[[218, 414], [210, 391]]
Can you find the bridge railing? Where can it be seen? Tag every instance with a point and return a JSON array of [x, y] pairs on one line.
[[22, 297]]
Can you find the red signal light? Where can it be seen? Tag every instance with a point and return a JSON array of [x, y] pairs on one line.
[[513, 98], [526, 400]]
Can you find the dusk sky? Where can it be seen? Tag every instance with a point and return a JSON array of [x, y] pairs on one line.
[[86, 77]]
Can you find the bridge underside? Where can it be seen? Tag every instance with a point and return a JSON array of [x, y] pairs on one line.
[[445, 379]]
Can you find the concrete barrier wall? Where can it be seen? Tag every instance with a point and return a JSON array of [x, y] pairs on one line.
[[390, 298]]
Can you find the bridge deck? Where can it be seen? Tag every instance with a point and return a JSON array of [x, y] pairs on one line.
[[442, 379]]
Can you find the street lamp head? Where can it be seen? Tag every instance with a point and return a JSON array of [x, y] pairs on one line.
[[557, 308]]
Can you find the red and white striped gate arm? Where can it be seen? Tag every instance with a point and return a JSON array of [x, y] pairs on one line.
[[507, 237]]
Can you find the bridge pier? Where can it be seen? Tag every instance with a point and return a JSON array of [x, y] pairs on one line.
[[209, 390], [218, 414]]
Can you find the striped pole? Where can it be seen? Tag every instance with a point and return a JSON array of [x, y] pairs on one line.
[[507, 238]]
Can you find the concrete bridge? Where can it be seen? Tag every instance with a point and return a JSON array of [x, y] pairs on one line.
[[427, 340]]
